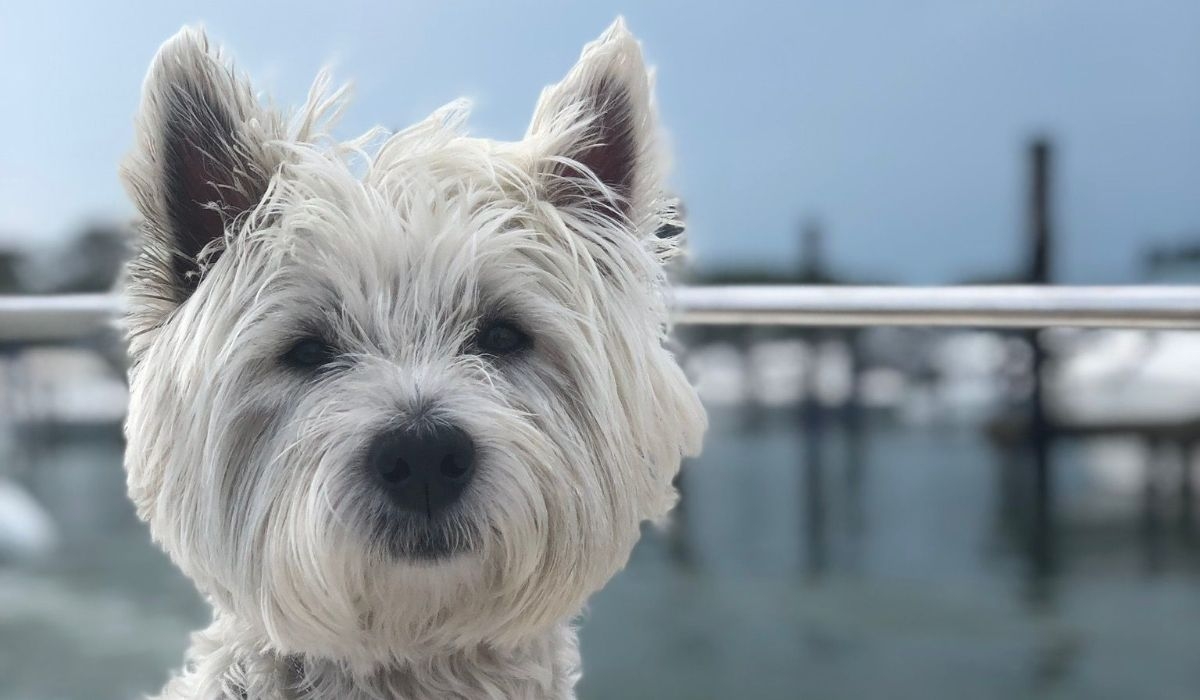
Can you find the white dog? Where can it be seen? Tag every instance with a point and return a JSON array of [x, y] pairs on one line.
[[399, 405]]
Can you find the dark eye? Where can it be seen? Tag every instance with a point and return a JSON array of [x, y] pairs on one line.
[[309, 353], [501, 338]]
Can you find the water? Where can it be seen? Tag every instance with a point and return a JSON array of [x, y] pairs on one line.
[[911, 583]]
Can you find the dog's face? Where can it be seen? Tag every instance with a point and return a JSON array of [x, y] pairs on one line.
[[405, 394]]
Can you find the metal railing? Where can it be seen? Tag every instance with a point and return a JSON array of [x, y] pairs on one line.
[[969, 306], [67, 317]]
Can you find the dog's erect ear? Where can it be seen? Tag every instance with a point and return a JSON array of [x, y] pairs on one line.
[[600, 135], [203, 157]]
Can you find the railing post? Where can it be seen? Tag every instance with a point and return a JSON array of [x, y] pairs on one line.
[[1040, 430]]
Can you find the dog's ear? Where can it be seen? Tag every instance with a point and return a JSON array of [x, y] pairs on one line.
[[598, 135], [203, 157]]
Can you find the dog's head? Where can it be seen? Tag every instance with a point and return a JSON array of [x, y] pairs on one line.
[[408, 391]]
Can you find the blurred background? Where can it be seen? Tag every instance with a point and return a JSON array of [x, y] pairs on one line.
[[897, 513]]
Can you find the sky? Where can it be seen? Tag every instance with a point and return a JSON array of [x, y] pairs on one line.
[[901, 127]]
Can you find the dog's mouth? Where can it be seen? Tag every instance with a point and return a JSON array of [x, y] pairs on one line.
[[424, 539]]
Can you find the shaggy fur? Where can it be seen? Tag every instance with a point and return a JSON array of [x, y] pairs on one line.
[[393, 251]]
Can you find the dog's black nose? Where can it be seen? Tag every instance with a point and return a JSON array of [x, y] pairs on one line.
[[424, 468]]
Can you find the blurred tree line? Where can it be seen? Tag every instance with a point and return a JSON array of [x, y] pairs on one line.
[[89, 262]]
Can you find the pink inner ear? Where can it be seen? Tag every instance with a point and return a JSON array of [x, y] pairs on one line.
[[610, 150], [200, 166]]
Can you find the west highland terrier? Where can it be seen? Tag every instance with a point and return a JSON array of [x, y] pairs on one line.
[[399, 404]]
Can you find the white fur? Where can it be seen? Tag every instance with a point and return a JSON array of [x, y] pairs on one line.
[[397, 246]]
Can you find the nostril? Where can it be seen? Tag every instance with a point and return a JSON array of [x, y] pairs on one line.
[[453, 468], [395, 471]]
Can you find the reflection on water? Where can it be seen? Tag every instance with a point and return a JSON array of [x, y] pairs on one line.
[[908, 583]]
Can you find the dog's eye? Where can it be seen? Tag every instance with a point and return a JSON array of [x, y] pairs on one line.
[[308, 353], [501, 338]]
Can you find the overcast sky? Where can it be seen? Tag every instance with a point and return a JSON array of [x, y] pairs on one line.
[[900, 125]]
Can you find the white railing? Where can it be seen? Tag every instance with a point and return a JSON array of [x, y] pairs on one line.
[[57, 317], [66, 317], [971, 306]]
